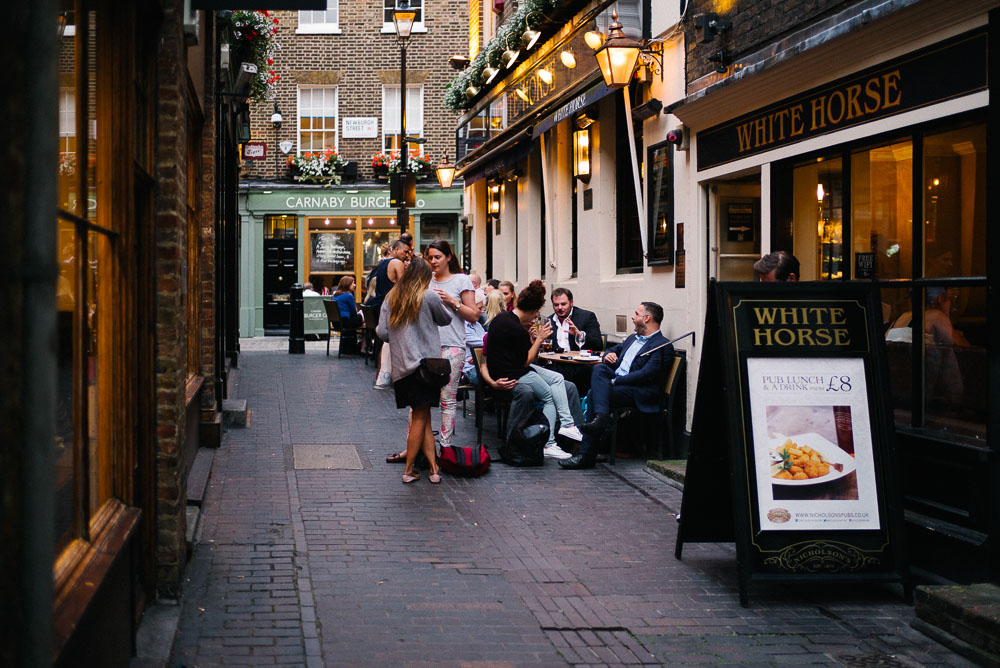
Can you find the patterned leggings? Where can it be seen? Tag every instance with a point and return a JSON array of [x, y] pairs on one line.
[[456, 356]]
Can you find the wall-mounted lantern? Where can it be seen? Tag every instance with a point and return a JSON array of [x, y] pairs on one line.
[[619, 55], [494, 188], [445, 172], [582, 167]]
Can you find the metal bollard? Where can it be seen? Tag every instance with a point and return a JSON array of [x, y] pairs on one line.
[[296, 325]]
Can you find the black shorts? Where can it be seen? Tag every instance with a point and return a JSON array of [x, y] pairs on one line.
[[412, 391]]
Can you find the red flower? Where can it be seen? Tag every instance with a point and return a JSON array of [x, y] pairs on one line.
[[275, 21], [264, 12]]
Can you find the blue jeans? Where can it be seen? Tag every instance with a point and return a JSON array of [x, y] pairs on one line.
[[549, 387]]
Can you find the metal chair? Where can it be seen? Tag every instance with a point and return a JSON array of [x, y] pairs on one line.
[[347, 335], [371, 322], [501, 401], [664, 415]]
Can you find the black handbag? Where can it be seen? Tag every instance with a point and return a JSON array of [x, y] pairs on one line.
[[435, 371]]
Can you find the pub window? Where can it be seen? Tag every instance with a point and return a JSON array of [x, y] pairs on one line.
[[630, 251], [414, 117], [911, 210], [574, 203], [318, 119], [660, 226], [321, 21]]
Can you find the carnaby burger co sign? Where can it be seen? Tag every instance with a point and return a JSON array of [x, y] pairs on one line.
[[342, 202]]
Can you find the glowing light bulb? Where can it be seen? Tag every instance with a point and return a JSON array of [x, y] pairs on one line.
[[568, 59], [326, 222], [820, 193], [593, 39], [545, 76]]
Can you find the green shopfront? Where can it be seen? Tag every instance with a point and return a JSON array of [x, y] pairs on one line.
[[297, 234]]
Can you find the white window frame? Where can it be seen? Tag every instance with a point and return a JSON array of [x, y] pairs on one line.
[[388, 122], [299, 116], [389, 28], [308, 27], [67, 115]]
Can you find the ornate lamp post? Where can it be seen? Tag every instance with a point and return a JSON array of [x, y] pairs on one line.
[[403, 17]]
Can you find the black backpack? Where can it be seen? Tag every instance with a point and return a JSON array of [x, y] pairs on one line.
[[527, 441]]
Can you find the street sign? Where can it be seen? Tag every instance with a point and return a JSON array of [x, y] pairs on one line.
[[792, 441], [255, 150]]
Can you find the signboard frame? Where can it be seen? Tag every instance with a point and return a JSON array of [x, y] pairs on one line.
[[852, 535]]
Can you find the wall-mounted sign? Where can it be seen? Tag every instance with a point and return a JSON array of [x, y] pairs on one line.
[[360, 128], [286, 146], [331, 252], [255, 150], [805, 435], [348, 202], [941, 72], [864, 265], [272, 4]]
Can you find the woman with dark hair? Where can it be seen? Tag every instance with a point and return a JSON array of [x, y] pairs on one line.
[[350, 315], [410, 317], [456, 291], [513, 344], [509, 294]]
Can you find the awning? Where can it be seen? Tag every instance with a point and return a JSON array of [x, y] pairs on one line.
[[500, 157]]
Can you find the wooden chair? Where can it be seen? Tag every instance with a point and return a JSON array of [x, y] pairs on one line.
[[347, 335], [501, 401], [664, 416], [371, 322]]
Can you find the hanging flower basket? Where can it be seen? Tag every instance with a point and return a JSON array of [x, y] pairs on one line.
[[389, 163], [254, 34], [319, 167]]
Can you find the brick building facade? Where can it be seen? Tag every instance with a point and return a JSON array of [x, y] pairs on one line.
[[339, 73]]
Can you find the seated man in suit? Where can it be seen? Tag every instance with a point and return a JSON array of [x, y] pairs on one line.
[[626, 378], [568, 321]]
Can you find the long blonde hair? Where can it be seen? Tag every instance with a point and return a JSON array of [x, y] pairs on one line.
[[495, 305], [407, 295]]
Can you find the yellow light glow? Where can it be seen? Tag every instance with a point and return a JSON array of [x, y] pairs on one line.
[[521, 93], [820, 193], [593, 39], [568, 59], [545, 75]]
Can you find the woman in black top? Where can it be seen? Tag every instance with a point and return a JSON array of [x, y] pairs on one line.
[[511, 346]]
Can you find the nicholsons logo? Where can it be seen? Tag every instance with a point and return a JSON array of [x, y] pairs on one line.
[[779, 515], [823, 556]]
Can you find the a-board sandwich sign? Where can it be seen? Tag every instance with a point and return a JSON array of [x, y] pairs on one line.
[[792, 411]]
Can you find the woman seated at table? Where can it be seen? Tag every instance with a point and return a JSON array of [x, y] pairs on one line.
[[513, 345], [350, 314]]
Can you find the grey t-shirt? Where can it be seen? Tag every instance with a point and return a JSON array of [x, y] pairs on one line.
[[453, 334]]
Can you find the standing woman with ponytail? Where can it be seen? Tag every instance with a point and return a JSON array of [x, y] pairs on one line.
[[457, 293], [410, 317]]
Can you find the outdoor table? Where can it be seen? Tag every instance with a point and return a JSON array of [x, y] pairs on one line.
[[574, 366]]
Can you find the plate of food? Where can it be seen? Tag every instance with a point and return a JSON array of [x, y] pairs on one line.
[[807, 459], [588, 358]]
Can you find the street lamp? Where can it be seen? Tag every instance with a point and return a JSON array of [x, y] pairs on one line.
[[618, 55], [403, 17], [445, 173]]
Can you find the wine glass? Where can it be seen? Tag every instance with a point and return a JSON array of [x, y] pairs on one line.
[[581, 338]]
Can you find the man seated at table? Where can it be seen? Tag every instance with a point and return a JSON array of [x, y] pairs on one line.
[[568, 321], [626, 378]]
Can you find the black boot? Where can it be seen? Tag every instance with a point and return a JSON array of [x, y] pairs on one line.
[[595, 426], [578, 461]]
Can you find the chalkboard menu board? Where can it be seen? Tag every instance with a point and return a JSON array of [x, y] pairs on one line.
[[331, 252], [661, 204], [791, 409]]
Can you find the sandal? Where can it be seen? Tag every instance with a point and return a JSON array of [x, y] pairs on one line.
[[396, 458], [435, 478], [411, 477]]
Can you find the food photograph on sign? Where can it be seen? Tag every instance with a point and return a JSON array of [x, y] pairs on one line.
[[812, 444]]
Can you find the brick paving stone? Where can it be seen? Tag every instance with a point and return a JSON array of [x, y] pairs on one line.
[[521, 567]]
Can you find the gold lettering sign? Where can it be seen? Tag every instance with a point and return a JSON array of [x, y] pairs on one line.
[[800, 326]]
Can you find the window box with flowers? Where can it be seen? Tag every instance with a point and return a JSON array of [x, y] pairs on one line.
[[318, 167], [254, 41], [384, 164]]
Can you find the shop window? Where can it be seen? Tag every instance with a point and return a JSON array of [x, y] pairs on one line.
[[321, 21], [954, 202], [882, 211], [414, 117], [280, 227], [818, 214], [318, 119], [389, 5]]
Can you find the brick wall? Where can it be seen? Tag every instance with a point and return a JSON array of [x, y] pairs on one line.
[[208, 268], [756, 23], [171, 312], [358, 60]]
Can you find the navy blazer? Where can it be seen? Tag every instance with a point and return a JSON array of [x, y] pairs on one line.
[[586, 322], [646, 373]]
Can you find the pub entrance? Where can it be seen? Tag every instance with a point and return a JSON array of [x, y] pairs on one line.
[[734, 227], [281, 265]]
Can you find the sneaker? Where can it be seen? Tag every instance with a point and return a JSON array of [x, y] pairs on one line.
[[384, 381], [571, 432], [555, 452]]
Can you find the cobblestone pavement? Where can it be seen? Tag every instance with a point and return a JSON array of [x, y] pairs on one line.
[[519, 567]]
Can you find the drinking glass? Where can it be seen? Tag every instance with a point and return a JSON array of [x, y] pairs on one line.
[[581, 338]]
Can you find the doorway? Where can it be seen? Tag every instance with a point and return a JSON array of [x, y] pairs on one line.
[[280, 272], [734, 225]]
